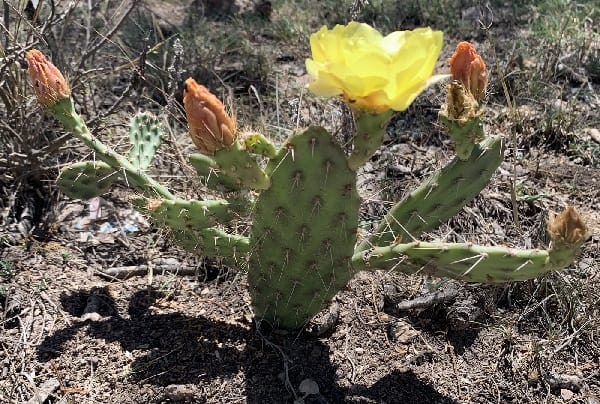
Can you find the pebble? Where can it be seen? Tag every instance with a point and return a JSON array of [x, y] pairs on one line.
[[179, 392], [566, 394], [402, 332], [308, 387]]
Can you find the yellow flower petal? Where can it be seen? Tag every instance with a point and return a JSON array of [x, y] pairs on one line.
[[371, 71]]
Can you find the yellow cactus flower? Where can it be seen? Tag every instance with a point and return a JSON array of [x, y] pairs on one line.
[[373, 72], [49, 85]]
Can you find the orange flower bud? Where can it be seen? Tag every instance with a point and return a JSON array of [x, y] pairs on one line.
[[211, 128], [568, 228], [49, 85], [468, 67]]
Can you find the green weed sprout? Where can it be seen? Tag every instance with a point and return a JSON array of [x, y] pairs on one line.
[[304, 205]]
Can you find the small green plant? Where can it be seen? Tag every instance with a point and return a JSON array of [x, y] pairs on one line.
[[304, 205], [43, 285], [7, 270], [66, 255]]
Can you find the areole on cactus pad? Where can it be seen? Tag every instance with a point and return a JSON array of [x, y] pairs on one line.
[[303, 204]]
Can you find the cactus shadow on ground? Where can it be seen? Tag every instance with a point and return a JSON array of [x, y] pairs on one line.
[[180, 349]]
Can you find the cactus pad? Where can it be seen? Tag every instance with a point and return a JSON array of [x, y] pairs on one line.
[[180, 214], [463, 261], [440, 197], [86, 179], [231, 167], [145, 137], [304, 230], [257, 143], [212, 242]]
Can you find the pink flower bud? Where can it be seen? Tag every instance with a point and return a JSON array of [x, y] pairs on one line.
[[49, 85]]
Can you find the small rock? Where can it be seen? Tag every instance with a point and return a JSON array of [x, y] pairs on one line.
[[91, 316], [402, 332], [593, 133], [533, 377], [566, 394], [559, 381], [308, 387], [179, 392]]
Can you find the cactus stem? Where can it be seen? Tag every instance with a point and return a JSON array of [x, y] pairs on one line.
[[64, 112], [370, 130]]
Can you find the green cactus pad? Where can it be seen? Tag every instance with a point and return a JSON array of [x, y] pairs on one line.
[[145, 136], [86, 179], [440, 197], [460, 261], [259, 144], [304, 230], [192, 215], [232, 168], [212, 242]]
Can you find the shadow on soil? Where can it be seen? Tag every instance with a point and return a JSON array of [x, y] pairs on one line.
[[194, 350]]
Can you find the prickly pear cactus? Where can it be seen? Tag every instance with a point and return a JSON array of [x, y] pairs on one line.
[[304, 230], [441, 196], [301, 248]]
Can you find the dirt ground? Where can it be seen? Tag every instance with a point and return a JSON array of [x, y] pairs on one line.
[[100, 306]]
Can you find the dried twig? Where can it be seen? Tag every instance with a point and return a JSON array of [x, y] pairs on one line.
[[44, 391], [428, 300]]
